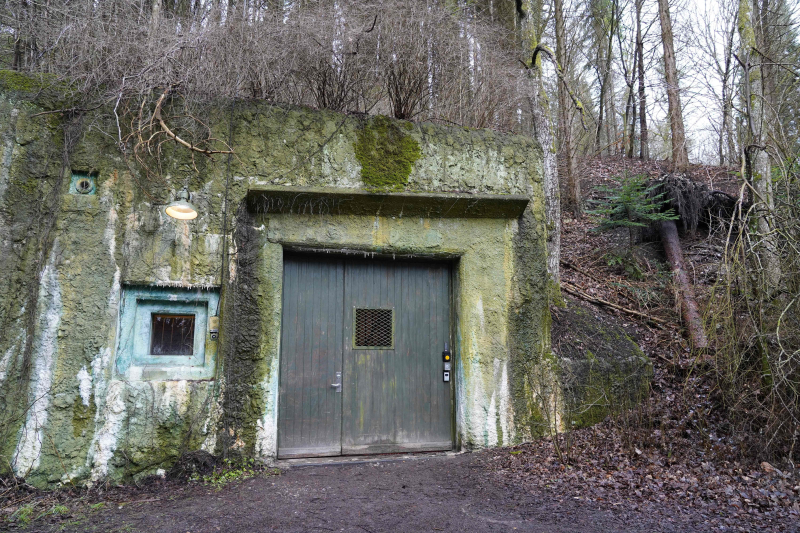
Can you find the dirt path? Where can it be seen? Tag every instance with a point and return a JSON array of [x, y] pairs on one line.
[[442, 493]]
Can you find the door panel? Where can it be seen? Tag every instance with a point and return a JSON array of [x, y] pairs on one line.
[[392, 398], [395, 399], [309, 408]]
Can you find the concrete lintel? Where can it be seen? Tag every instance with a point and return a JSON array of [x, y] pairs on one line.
[[330, 201]]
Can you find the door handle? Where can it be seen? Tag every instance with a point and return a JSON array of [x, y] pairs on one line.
[[337, 386]]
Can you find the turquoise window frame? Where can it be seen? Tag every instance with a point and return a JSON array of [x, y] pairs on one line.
[[143, 332], [138, 305]]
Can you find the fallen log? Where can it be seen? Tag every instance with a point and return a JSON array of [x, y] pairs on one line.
[[691, 316], [574, 291]]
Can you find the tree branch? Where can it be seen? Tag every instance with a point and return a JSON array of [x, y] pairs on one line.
[[545, 51], [173, 136], [569, 289]]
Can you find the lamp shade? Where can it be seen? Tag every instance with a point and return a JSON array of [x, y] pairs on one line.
[[181, 208]]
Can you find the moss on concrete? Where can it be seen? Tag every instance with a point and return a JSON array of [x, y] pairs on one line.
[[82, 415], [130, 428], [601, 368], [46, 90], [11, 80], [387, 154], [245, 367]]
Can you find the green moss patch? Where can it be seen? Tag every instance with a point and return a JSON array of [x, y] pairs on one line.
[[386, 153], [12, 80], [82, 415], [46, 89], [602, 370]]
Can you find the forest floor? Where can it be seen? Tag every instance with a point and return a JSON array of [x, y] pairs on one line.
[[452, 493], [670, 464]]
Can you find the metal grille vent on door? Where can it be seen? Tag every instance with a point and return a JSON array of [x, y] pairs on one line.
[[374, 328]]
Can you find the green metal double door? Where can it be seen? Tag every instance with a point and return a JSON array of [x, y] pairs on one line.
[[361, 357]]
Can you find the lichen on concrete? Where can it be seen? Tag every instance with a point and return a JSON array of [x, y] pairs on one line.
[[100, 424], [602, 371]]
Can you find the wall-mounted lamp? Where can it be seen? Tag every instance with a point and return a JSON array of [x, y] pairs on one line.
[[181, 208]]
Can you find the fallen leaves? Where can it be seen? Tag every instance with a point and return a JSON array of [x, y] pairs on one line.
[[672, 456], [702, 491]]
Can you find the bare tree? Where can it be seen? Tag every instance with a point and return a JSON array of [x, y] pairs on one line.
[[565, 115], [680, 154], [715, 34], [757, 168], [532, 23], [629, 75], [644, 148], [605, 24]]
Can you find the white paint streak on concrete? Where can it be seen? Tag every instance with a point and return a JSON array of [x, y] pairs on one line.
[[506, 412], [174, 397], [105, 438], [481, 316], [490, 430], [475, 419], [184, 238], [108, 395], [8, 356], [267, 431], [85, 385], [29, 447], [110, 236], [212, 420]]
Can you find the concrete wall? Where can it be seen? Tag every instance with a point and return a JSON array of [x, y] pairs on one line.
[[69, 412]]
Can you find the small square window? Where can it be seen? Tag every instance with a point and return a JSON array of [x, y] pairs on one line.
[[164, 334], [172, 335], [374, 328]]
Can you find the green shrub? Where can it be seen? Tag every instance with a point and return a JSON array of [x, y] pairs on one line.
[[631, 203]]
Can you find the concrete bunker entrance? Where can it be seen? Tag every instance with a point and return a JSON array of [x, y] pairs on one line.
[[361, 365]]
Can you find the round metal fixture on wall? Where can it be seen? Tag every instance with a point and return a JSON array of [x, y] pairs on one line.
[[84, 186]]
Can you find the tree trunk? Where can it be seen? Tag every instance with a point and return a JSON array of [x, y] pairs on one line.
[[725, 117], [644, 149], [758, 170], [155, 19], [680, 155], [602, 42], [564, 114], [725, 150], [611, 110], [691, 316], [531, 29], [598, 143], [632, 147], [629, 118], [611, 115]]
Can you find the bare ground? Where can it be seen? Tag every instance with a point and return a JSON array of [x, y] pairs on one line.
[[456, 493]]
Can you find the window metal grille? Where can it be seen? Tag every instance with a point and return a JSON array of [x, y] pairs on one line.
[[172, 335], [374, 328]]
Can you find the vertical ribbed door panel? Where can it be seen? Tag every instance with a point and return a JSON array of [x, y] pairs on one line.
[[394, 397], [309, 406]]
